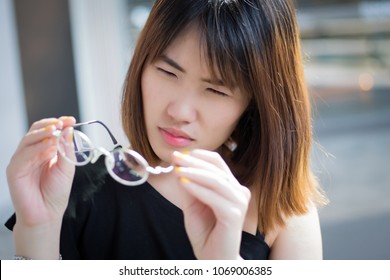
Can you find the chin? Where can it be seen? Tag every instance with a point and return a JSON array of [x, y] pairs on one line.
[[164, 155]]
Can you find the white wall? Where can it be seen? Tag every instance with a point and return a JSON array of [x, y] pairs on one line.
[[101, 62], [101, 56], [13, 119]]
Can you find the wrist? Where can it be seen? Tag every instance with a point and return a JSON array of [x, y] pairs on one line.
[[23, 258], [37, 242]]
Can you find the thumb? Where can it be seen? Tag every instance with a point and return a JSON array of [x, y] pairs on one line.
[[67, 157]]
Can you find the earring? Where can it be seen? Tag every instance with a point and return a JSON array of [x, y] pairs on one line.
[[231, 144]]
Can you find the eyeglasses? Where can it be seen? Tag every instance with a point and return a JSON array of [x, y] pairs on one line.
[[124, 165]]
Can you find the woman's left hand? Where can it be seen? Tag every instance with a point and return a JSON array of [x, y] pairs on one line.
[[215, 205]]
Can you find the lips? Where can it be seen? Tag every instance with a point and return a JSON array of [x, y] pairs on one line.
[[176, 137]]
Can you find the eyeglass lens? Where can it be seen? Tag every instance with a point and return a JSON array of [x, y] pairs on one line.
[[82, 152], [125, 166]]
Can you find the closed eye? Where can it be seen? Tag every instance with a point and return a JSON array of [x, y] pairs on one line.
[[217, 92], [166, 72]]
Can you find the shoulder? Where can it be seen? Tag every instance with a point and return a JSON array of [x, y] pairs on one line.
[[300, 238]]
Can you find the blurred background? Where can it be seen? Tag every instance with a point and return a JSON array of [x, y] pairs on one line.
[[69, 57]]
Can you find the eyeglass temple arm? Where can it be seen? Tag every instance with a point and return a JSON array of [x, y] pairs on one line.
[[99, 122]]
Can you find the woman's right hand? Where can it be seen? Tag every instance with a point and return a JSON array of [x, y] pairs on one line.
[[39, 180]]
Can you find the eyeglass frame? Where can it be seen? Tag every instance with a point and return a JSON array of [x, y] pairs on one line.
[[96, 152]]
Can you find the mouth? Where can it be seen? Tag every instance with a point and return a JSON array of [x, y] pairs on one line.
[[175, 137]]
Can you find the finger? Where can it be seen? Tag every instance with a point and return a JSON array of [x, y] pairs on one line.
[[222, 208], [211, 157], [208, 173], [61, 122], [68, 150], [223, 185], [44, 123], [33, 156], [68, 121], [38, 135], [187, 160], [44, 128]]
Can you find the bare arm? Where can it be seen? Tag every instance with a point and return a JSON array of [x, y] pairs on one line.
[[39, 182], [300, 239]]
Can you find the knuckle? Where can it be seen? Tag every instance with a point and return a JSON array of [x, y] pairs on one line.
[[214, 156], [235, 213], [8, 170], [246, 192]]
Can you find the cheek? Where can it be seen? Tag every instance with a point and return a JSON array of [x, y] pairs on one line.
[[228, 125], [228, 116], [155, 91], [150, 94], [146, 88], [224, 122]]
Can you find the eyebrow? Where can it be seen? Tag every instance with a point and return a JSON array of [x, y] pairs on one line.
[[175, 65], [172, 63]]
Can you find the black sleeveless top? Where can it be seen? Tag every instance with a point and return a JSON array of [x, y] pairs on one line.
[[107, 220]]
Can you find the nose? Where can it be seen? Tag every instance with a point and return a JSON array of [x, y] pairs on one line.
[[182, 109]]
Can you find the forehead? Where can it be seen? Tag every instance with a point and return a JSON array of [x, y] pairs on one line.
[[190, 49], [186, 47], [188, 39]]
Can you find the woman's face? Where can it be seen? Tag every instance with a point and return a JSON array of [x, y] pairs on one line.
[[184, 107]]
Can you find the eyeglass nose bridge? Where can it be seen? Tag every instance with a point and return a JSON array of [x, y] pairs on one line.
[[97, 152]]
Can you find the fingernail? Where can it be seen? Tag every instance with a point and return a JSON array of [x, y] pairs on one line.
[[57, 123], [46, 140], [60, 124], [70, 135], [50, 128], [184, 180], [181, 154]]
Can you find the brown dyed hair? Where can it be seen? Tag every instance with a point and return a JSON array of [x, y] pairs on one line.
[[253, 44]]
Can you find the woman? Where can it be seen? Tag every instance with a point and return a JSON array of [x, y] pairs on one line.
[[216, 89]]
